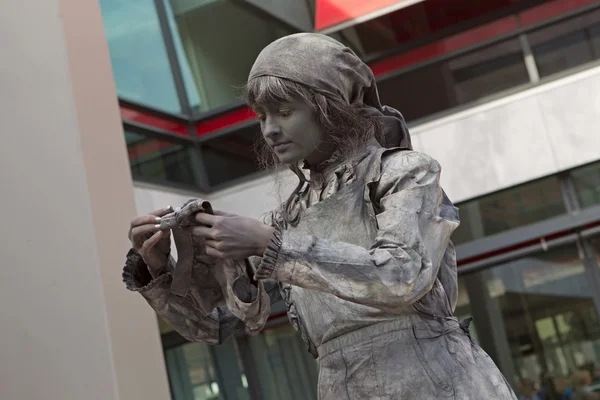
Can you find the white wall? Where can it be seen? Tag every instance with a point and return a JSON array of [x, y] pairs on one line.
[[518, 138], [252, 198], [69, 330], [537, 132]]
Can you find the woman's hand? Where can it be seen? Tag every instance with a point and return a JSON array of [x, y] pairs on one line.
[[231, 236], [153, 244]]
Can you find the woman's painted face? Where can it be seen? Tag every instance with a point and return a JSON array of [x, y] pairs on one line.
[[293, 132]]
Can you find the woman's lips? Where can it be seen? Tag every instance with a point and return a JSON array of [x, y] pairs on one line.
[[281, 146]]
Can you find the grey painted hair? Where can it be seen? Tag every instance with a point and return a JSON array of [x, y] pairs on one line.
[[327, 67]]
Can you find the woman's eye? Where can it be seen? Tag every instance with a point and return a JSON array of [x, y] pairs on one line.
[[261, 117], [285, 113]]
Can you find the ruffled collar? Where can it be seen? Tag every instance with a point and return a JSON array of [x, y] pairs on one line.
[[339, 168], [339, 160]]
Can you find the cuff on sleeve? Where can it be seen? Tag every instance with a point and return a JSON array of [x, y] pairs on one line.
[[136, 276], [269, 259]]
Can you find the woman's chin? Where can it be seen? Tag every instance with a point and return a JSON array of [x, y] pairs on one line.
[[288, 159]]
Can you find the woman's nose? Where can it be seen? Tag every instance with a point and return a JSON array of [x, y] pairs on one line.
[[271, 129]]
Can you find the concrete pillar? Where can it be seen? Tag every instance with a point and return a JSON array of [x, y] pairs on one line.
[[69, 329]]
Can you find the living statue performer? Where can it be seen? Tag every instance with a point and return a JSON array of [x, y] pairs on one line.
[[360, 252]]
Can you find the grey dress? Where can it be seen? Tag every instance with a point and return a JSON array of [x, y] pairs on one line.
[[368, 274]]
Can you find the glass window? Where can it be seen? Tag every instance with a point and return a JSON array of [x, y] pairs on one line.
[[138, 55], [595, 241], [489, 70], [566, 44], [284, 366], [540, 310], [420, 92], [159, 160], [440, 86], [424, 20], [587, 184], [595, 40], [199, 372], [508, 209], [231, 156], [220, 41]]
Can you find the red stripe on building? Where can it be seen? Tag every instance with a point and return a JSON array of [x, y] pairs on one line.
[[149, 147], [227, 120], [450, 44], [446, 45], [334, 12], [145, 118], [550, 10]]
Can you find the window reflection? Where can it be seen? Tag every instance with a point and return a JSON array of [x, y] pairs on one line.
[[231, 156], [565, 44], [508, 209], [489, 70], [159, 160], [138, 55], [419, 93], [192, 373], [595, 241], [285, 368], [220, 41], [544, 304], [424, 20], [587, 184]]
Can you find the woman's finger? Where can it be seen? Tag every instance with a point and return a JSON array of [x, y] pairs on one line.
[[213, 252], [214, 244], [139, 233], [222, 213], [144, 220], [202, 231], [151, 242], [152, 218], [206, 219], [161, 212]]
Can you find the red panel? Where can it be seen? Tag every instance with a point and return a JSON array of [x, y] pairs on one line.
[[150, 146], [551, 9], [449, 44], [229, 119], [145, 118], [333, 12]]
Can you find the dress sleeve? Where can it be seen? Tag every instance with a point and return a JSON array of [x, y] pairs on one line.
[[403, 262], [222, 297], [190, 316], [248, 299]]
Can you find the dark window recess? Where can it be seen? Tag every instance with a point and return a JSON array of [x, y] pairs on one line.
[[509, 209], [420, 92], [231, 156], [159, 160], [215, 62], [567, 44], [534, 308], [488, 71], [424, 21], [595, 40], [587, 184], [437, 87]]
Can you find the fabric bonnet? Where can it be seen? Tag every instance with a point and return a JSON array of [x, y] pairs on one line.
[[327, 66]]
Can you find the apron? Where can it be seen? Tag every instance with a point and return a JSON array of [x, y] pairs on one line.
[[365, 353]]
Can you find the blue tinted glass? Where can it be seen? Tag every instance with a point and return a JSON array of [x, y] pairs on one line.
[[216, 42], [160, 161], [137, 50]]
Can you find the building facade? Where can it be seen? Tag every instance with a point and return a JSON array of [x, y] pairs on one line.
[[505, 94]]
